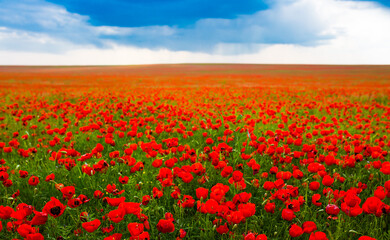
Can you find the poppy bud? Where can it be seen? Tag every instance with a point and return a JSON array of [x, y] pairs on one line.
[[288, 214], [295, 231], [332, 209]]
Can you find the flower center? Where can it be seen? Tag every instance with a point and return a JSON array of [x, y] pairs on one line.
[[55, 210]]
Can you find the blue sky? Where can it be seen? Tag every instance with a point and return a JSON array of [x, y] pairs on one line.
[[183, 13], [174, 31], [138, 13]]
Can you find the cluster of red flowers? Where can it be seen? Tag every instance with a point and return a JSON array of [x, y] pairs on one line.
[[174, 163]]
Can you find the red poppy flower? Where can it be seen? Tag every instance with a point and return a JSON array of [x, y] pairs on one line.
[[99, 148], [83, 198], [111, 188], [78, 232], [6, 212], [387, 185], [115, 236], [327, 180], [40, 218], [235, 217], [385, 168], [373, 205], [135, 229], [114, 201], [261, 237], [242, 197], [33, 181], [131, 208], [198, 169], [314, 186], [186, 177], [298, 174], [269, 207], [157, 193], [268, 185], [157, 163], [288, 214], [351, 211], [117, 215], [227, 171], [366, 238], [142, 236], [217, 195], [68, 192], [309, 227], [182, 233], [145, 200], [7, 183], [318, 236], [315, 198], [54, 208], [222, 229], [88, 170], [83, 216], [22, 174], [74, 202], [380, 193], [123, 180], [35, 236], [24, 230], [98, 194], [187, 202], [351, 199], [279, 183], [211, 206], [169, 216], [15, 194], [20, 214], [295, 231], [91, 226], [165, 226], [59, 186], [247, 210], [250, 236], [237, 176], [50, 177]]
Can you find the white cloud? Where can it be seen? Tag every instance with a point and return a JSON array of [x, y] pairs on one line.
[[349, 32], [25, 41], [35, 20], [134, 31], [39, 15]]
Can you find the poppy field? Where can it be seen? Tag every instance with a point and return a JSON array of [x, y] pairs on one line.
[[249, 152]]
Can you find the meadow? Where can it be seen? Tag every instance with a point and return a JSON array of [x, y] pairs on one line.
[[202, 151]]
